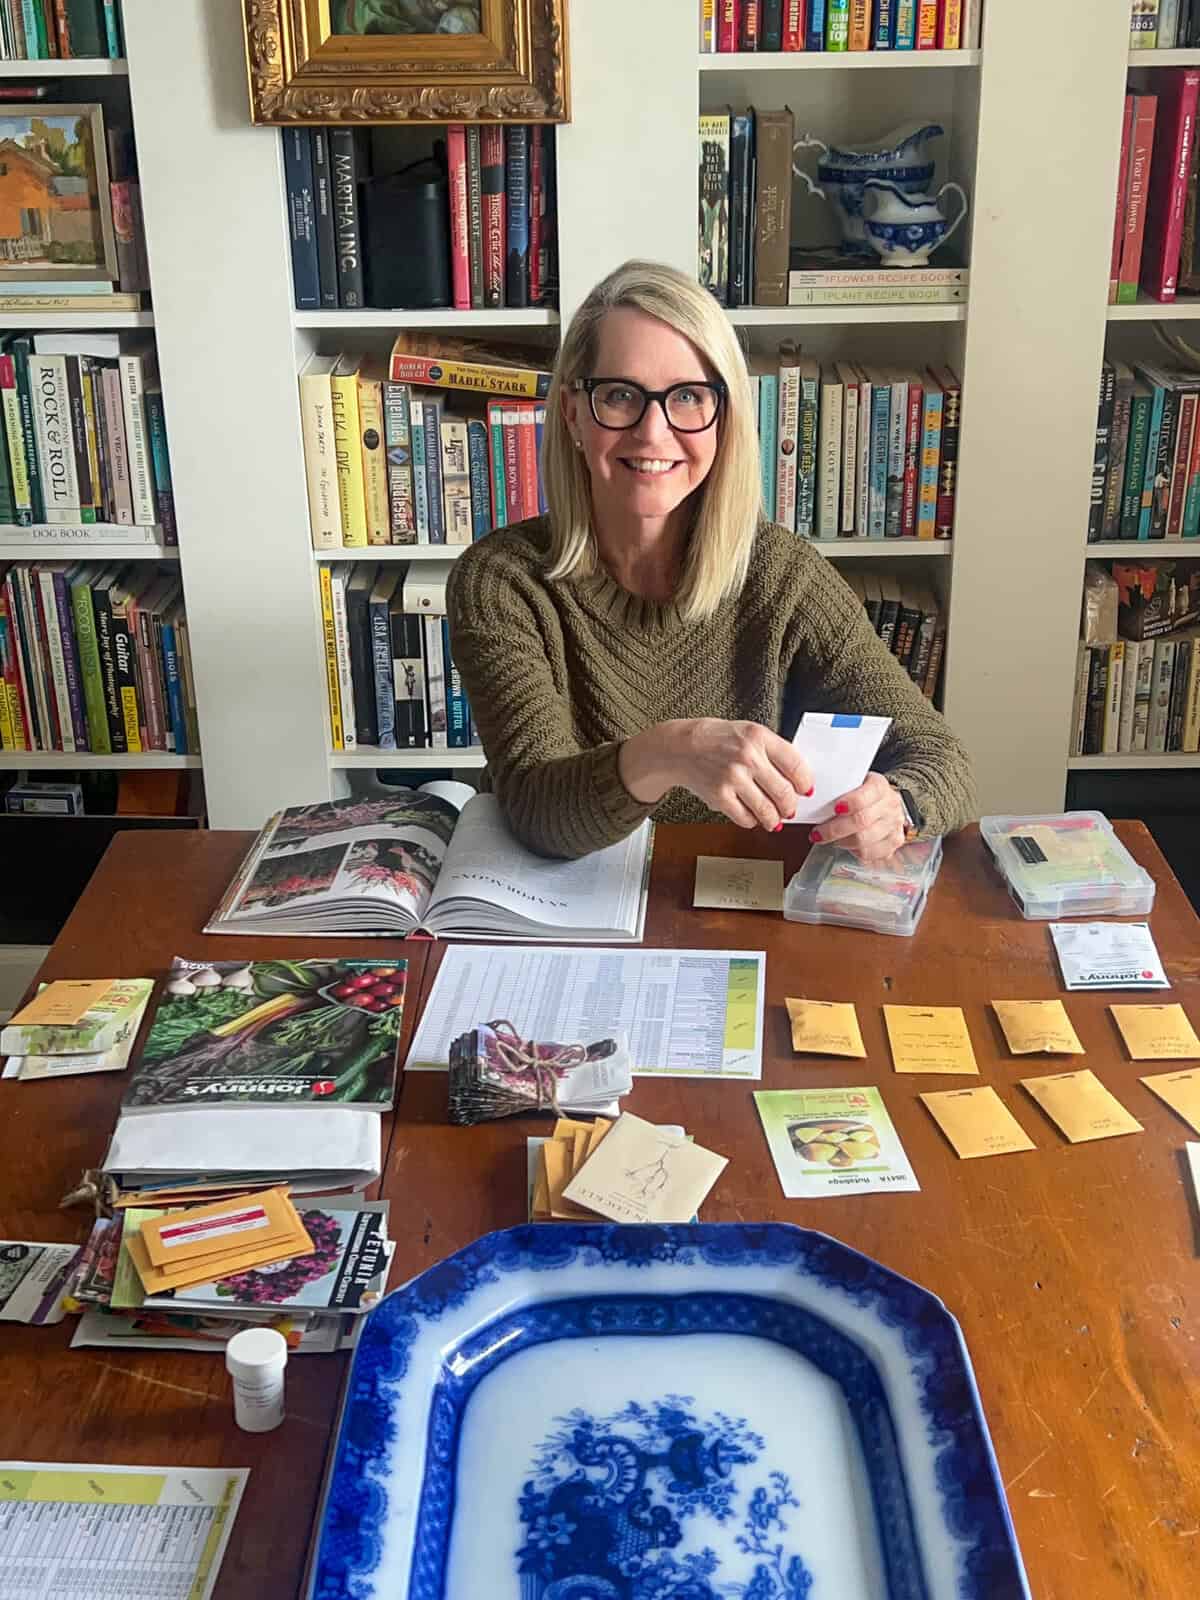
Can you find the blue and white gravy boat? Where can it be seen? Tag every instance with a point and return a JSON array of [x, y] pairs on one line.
[[899, 157], [904, 228]]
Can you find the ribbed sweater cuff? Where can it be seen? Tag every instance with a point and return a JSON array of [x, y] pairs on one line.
[[613, 813]]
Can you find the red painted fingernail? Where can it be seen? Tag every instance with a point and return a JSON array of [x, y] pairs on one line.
[[842, 809], [778, 828], [815, 836], [808, 793]]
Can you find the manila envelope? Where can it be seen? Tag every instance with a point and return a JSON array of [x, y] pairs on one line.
[[929, 1039], [825, 1028], [1157, 1033], [737, 884], [206, 1269], [557, 1154], [642, 1173], [63, 1003], [1181, 1091], [1081, 1106], [1031, 1026], [244, 1221], [977, 1122]]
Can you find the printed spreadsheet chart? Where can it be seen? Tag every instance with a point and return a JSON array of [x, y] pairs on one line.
[[113, 1533]]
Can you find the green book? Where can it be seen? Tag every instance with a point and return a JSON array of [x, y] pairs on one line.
[[1135, 463], [89, 661]]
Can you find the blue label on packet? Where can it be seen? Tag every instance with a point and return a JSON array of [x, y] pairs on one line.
[[843, 719]]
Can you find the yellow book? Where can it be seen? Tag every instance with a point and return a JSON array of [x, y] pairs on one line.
[[448, 362], [331, 666], [374, 456], [7, 737], [88, 386], [347, 446], [1191, 722]]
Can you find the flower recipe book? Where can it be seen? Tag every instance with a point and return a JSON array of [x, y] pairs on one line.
[[438, 860]]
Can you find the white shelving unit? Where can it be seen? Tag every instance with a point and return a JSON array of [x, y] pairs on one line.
[[1144, 309], [147, 760], [416, 760], [845, 316], [84, 67], [350, 321], [94, 550], [1125, 763], [97, 319], [841, 61]]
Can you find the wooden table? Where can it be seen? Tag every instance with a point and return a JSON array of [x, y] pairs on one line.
[[1074, 1270]]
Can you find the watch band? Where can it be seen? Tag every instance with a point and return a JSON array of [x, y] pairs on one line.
[[913, 819]]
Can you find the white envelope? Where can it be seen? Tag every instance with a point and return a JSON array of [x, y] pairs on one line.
[[839, 748]]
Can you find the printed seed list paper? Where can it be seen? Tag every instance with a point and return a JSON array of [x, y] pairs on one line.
[[685, 1013], [157, 1533]]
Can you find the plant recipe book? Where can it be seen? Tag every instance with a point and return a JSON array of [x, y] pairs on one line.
[[439, 860]]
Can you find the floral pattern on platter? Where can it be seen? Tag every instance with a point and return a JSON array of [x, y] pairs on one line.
[[610, 1496]]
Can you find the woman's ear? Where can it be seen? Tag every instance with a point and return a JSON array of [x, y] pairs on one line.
[[569, 400]]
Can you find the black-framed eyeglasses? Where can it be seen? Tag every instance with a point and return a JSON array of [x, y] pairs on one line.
[[620, 403]]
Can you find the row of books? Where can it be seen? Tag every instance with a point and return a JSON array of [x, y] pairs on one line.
[[1155, 244], [728, 26], [480, 216], [387, 462], [744, 258], [1137, 696], [909, 619], [85, 438], [389, 672], [1146, 471], [94, 658], [60, 30], [1164, 25], [850, 450]]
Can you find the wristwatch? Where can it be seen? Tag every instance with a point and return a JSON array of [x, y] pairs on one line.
[[914, 821]]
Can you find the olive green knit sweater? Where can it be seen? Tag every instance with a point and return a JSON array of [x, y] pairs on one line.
[[558, 674]]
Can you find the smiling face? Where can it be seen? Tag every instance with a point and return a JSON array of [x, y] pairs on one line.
[[645, 473]]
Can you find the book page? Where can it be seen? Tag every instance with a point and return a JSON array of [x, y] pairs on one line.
[[486, 866]]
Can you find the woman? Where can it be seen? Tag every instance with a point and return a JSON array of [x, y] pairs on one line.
[[648, 647]]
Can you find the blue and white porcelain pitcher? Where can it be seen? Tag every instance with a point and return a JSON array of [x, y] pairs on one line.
[[899, 157], [904, 228]]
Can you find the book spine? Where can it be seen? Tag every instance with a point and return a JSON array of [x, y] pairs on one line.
[[1180, 466], [1168, 24], [528, 460], [12, 726], [165, 635], [302, 222], [475, 215], [458, 717], [829, 455], [1104, 417], [347, 454], [1175, 710], [1114, 267], [137, 441], [160, 735], [897, 446], [362, 665], [931, 450], [381, 667], [118, 445], [912, 460], [341, 635], [837, 24], [112, 30], [331, 660], [516, 202], [408, 677], [1142, 146], [324, 226], [1160, 489], [708, 27], [906, 25], [1191, 719], [729, 26], [794, 20], [1169, 170], [94, 434], [21, 349], [814, 33], [478, 377], [859, 35], [849, 506], [1114, 480], [125, 658], [950, 25], [713, 247], [739, 217], [397, 403], [788, 435], [772, 25], [1150, 465], [806, 453], [773, 199], [768, 438], [881, 410], [52, 632], [15, 437], [56, 456], [1110, 732], [478, 459], [344, 154], [435, 682], [495, 244], [35, 29], [1191, 508], [416, 427], [748, 38], [320, 462], [948, 469], [514, 498], [456, 482], [1083, 660], [374, 461], [1160, 695], [43, 663], [927, 24], [460, 260], [1093, 726], [433, 471], [885, 24], [25, 629], [1139, 433], [51, 34], [70, 655], [77, 417], [862, 471], [1143, 691], [495, 426], [89, 667], [1129, 678]]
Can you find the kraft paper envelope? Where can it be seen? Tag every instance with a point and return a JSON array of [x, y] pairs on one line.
[[1193, 1155], [825, 1028], [730, 884], [204, 1269], [243, 1222], [645, 1174], [64, 1002], [1181, 1091], [977, 1122], [1031, 1026], [1081, 1106], [558, 1154], [929, 1039], [1157, 1033]]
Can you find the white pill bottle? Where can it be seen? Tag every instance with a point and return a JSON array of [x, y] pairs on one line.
[[255, 1359]]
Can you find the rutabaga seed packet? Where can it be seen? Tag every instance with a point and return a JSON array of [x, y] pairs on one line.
[[833, 1141]]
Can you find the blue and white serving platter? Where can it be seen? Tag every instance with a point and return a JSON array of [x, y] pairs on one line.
[[716, 1411]]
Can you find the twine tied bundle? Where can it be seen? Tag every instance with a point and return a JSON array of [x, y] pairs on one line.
[[523, 1059]]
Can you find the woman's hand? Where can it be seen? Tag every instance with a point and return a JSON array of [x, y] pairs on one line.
[[739, 768], [869, 820]]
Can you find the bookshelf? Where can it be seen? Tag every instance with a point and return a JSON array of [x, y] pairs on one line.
[[83, 67], [1033, 130]]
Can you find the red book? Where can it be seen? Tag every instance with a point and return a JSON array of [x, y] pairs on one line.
[[491, 183], [795, 21], [1114, 268], [749, 28], [948, 466], [528, 459], [949, 33], [1180, 478], [537, 212], [729, 26], [912, 456], [1145, 108], [927, 25], [510, 436], [1168, 182], [460, 260]]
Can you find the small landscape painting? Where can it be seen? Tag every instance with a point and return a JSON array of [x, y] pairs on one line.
[[406, 16], [55, 207]]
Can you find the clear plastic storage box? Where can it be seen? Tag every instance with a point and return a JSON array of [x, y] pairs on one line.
[[834, 886], [1068, 864]]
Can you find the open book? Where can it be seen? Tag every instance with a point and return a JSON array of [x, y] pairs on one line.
[[437, 860]]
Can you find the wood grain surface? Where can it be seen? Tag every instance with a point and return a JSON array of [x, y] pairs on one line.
[[1074, 1270]]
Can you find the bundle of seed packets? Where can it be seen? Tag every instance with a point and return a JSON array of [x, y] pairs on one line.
[[623, 1171], [75, 1026], [495, 1073], [834, 886]]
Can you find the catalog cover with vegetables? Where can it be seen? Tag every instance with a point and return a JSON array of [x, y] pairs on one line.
[[272, 1033]]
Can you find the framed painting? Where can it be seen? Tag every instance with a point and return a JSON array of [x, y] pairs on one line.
[[55, 205], [397, 61]]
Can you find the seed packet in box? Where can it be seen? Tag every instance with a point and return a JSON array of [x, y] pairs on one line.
[[494, 1072]]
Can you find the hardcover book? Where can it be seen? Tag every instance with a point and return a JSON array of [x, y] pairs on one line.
[[713, 268]]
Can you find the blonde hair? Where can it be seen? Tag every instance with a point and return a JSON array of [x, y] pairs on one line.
[[728, 503]]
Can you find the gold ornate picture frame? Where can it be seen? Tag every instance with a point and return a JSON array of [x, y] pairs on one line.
[[407, 61]]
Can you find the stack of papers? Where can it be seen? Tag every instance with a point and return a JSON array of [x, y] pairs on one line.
[[75, 1026], [494, 1073]]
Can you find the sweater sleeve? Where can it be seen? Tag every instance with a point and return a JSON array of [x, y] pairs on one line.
[[839, 663], [559, 799]]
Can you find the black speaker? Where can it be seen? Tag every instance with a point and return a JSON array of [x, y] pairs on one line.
[[407, 232]]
